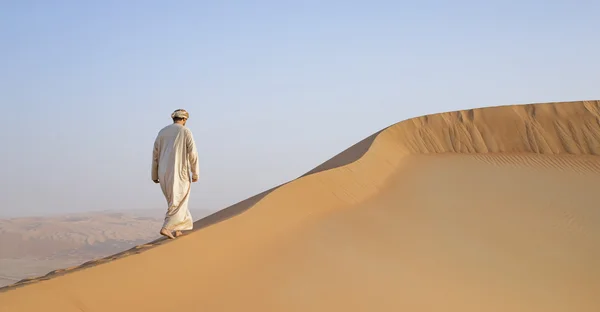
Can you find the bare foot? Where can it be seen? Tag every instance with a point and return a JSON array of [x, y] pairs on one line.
[[178, 233], [166, 233]]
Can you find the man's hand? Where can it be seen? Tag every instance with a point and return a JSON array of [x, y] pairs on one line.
[[156, 181], [194, 179]]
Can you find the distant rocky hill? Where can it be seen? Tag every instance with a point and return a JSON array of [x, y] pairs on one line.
[[33, 246]]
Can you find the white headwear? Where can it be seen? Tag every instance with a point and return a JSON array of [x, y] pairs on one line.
[[180, 113]]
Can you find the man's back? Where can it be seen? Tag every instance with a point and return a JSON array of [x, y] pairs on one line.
[[174, 152], [170, 139]]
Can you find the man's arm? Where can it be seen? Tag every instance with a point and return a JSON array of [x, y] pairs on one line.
[[155, 158], [192, 155]]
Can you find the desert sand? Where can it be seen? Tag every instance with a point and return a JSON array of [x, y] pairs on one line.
[[491, 209], [33, 246]]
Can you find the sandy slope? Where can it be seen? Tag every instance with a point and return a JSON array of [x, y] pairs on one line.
[[491, 209], [32, 246]]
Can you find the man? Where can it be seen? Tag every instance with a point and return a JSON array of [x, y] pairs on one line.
[[173, 157]]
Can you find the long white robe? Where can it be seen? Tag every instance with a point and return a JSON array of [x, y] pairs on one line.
[[173, 157]]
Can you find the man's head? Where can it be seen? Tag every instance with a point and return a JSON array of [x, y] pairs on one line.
[[180, 116]]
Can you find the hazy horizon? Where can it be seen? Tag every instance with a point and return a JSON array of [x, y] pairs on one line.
[[273, 88]]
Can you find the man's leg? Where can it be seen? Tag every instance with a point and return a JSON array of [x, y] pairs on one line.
[[167, 192], [166, 233]]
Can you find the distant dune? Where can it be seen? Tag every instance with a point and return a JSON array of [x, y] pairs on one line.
[[33, 246], [490, 209]]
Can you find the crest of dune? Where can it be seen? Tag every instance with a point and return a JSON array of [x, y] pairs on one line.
[[489, 209]]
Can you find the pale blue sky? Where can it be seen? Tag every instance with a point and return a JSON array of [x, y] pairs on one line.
[[274, 88]]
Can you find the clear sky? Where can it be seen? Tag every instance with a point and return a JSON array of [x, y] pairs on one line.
[[274, 88]]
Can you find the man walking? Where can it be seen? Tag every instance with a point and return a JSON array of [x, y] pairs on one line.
[[173, 157]]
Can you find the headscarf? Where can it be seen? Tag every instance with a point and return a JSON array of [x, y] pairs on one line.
[[180, 113]]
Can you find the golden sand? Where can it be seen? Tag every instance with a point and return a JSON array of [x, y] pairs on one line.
[[492, 209]]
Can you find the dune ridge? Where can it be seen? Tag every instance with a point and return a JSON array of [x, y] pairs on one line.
[[237, 240], [543, 128]]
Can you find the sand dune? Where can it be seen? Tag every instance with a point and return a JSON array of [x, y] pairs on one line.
[[31, 246], [491, 209]]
